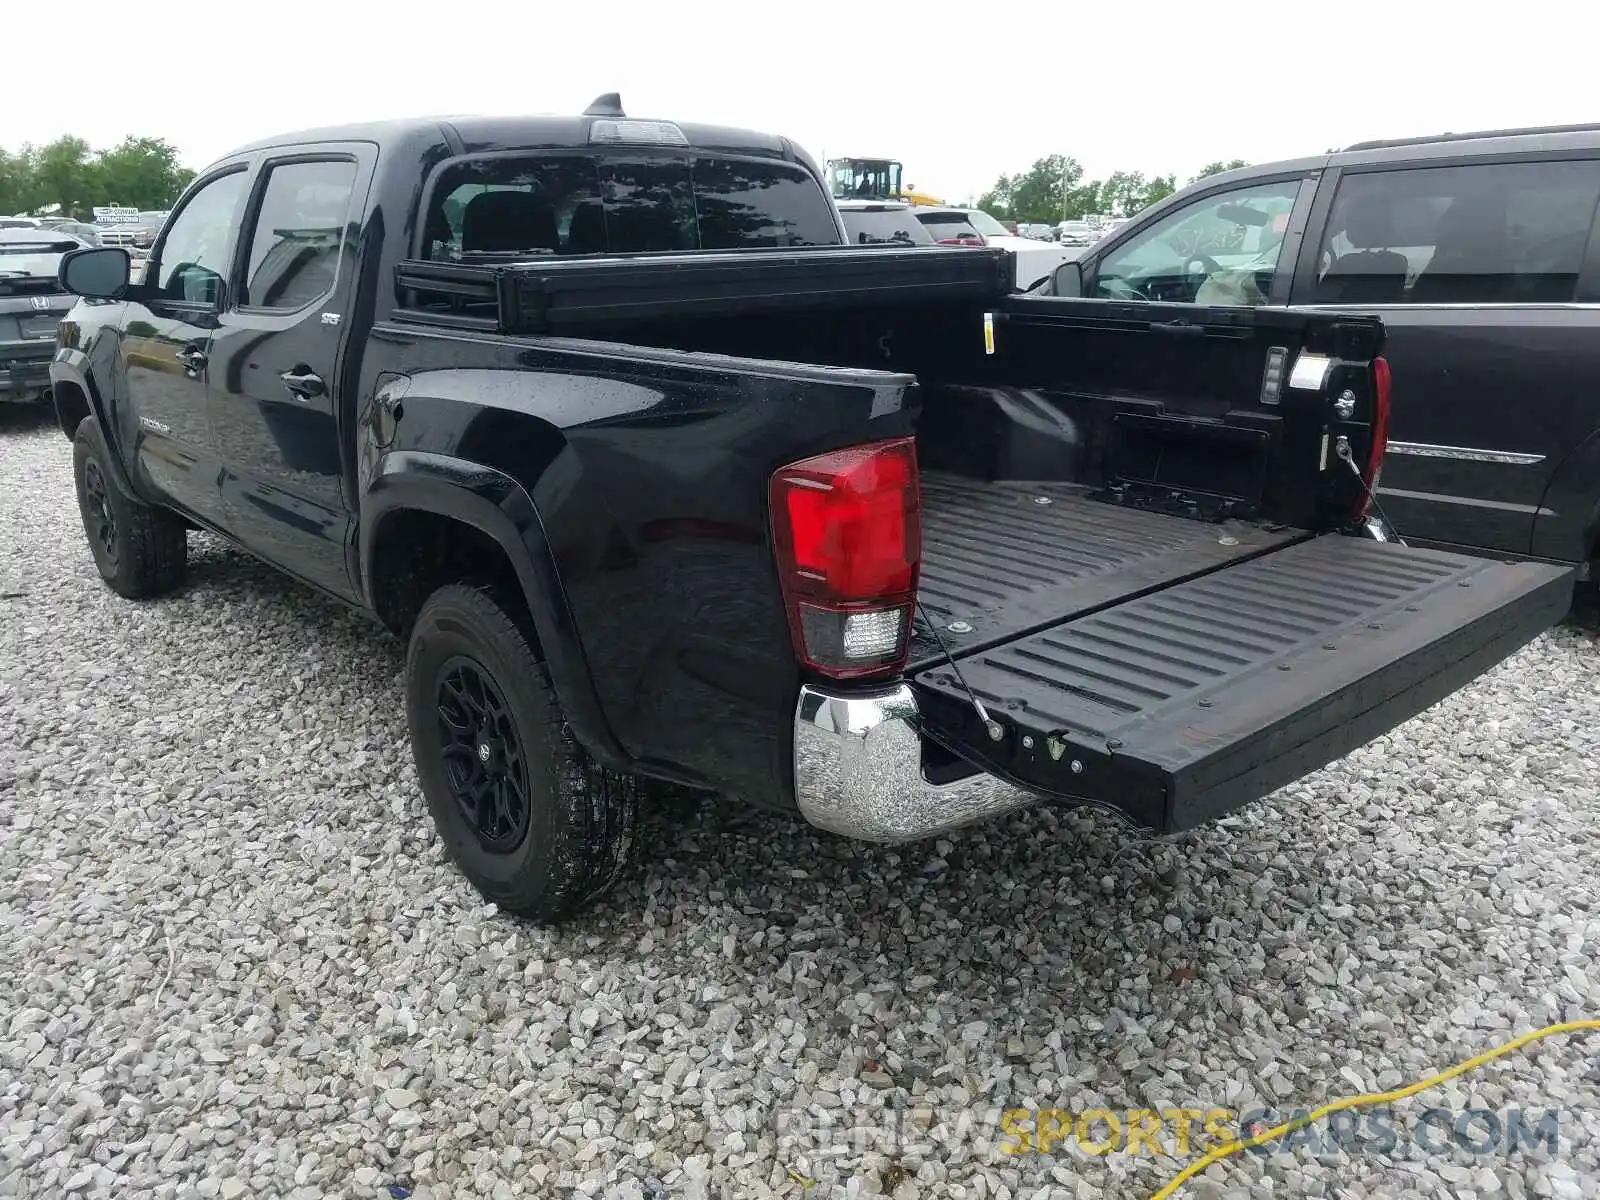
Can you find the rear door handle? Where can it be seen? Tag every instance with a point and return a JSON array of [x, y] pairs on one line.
[[303, 382], [193, 358]]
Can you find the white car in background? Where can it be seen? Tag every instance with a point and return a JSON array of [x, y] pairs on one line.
[[1036, 260], [1077, 233]]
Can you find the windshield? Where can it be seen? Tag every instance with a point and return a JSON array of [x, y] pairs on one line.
[[884, 225], [864, 178], [32, 258]]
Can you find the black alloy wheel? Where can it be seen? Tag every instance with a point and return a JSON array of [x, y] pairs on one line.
[[98, 516], [485, 765], [539, 827]]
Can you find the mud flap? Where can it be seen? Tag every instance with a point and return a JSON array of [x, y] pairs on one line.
[[1188, 702]]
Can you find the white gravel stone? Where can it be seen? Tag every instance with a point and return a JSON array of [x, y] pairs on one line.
[[236, 961]]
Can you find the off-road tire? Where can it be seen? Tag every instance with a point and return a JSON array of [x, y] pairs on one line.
[[145, 551], [579, 815]]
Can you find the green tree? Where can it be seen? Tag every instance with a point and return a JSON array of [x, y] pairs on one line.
[[16, 182], [63, 174], [1036, 194], [1160, 188], [1084, 199], [1122, 193], [1054, 188], [142, 173], [1218, 167]]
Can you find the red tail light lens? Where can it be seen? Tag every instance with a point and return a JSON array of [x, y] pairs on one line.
[[1381, 387], [847, 527]]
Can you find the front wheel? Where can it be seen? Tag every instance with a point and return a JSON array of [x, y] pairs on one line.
[[139, 550], [530, 818]]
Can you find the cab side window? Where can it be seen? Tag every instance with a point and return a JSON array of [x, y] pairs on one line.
[[192, 263], [1222, 249], [1494, 233], [298, 234]]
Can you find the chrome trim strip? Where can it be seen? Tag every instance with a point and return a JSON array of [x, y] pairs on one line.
[[858, 771], [1532, 510], [1514, 458]]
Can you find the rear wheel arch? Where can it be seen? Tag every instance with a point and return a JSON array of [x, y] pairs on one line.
[[428, 521], [416, 551]]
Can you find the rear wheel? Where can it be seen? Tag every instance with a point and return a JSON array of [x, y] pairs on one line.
[[531, 819], [138, 549]]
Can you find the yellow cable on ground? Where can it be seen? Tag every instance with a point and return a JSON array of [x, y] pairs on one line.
[[1229, 1149]]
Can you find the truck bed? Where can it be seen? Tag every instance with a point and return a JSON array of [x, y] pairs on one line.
[[1008, 558]]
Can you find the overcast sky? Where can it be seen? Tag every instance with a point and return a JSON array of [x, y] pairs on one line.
[[959, 91]]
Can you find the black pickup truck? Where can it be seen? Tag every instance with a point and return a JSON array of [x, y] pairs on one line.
[[661, 479]]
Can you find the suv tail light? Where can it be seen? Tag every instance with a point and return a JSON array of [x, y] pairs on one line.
[[847, 527], [1381, 386]]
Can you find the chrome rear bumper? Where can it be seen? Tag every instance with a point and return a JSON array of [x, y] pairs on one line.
[[858, 771]]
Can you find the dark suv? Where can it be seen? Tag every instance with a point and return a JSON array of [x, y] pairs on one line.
[[1478, 250], [32, 304]]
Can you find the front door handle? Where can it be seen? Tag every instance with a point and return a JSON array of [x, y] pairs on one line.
[[193, 359], [303, 382]]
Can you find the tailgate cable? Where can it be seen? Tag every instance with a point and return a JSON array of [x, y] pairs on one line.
[[1342, 449], [990, 725]]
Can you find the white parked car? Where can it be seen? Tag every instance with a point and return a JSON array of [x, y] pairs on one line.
[[1036, 260], [1076, 233]]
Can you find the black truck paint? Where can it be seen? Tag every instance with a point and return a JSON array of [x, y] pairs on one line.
[[595, 435]]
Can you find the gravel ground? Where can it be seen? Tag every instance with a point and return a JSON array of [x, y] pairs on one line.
[[238, 963]]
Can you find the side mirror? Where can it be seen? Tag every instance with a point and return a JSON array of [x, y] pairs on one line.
[[98, 272], [1068, 279]]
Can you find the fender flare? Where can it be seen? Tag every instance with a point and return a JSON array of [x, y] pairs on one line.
[[1573, 488], [496, 504], [71, 367]]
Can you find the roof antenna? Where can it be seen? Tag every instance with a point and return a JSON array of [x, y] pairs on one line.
[[607, 105]]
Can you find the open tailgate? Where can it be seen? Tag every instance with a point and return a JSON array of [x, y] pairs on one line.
[[1189, 701]]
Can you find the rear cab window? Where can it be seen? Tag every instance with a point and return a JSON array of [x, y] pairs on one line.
[[961, 226], [635, 202], [1491, 233], [884, 223]]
